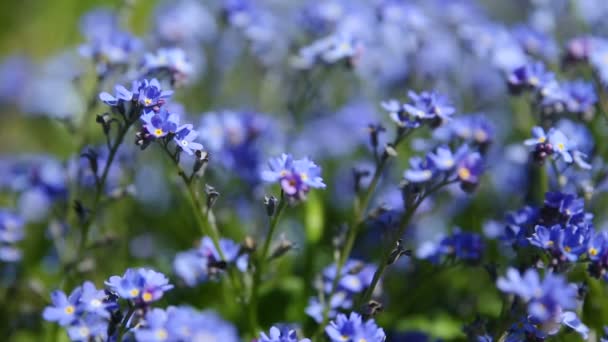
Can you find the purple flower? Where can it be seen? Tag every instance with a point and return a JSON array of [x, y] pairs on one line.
[[296, 177], [581, 96], [140, 285], [160, 123], [184, 138], [285, 334], [353, 329], [64, 309]]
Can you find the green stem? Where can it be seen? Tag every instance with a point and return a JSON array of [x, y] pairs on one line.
[[400, 231], [123, 326], [259, 268], [359, 208], [100, 188]]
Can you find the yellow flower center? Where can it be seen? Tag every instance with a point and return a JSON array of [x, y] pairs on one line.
[[134, 292], [147, 296], [567, 249], [464, 173], [593, 251], [147, 102], [162, 334], [560, 146], [158, 132], [542, 139], [69, 309], [304, 176]]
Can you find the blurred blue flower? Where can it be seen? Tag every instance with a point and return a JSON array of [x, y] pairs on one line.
[[430, 106], [285, 334], [11, 232], [545, 298], [204, 263], [353, 329], [184, 324]]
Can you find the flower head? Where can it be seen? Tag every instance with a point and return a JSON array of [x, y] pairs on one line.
[[142, 286], [160, 123], [353, 329], [429, 106], [64, 309], [296, 177], [283, 334]]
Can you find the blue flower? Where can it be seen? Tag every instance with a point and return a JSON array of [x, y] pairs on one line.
[[173, 60], [475, 128], [154, 330], [353, 329], [184, 138], [546, 299], [107, 44], [573, 242], [160, 123], [64, 309], [597, 246], [463, 245], [557, 144], [11, 232], [95, 301], [285, 334], [184, 324], [581, 96], [421, 170], [89, 328], [398, 114], [329, 50], [429, 106], [151, 94], [545, 238], [122, 95], [469, 170], [296, 177], [530, 76], [204, 263], [140, 285]]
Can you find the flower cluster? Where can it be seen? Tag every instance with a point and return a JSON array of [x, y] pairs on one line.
[[86, 313], [284, 334], [547, 301], [203, 263], [554, 143], [352, 328], [184, 324], [431, 107], [295, 176], [355, 277], [89, 313], [460, 245], [444, 166]]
